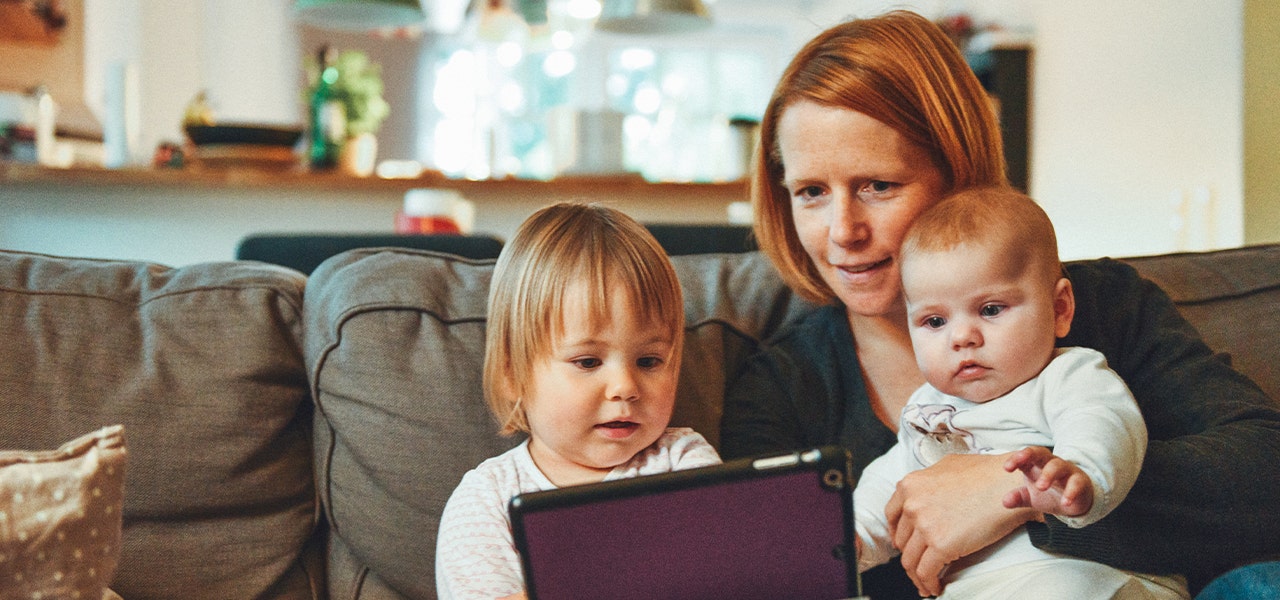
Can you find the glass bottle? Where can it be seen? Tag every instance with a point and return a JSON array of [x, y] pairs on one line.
[[328, 121]]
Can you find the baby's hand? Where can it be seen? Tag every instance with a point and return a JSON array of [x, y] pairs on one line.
[[1054, 485]]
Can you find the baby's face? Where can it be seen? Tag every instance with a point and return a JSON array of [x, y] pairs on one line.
[[979, 325]]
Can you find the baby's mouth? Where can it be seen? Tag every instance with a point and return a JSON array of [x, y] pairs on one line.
[[970, 369], [619, 425]]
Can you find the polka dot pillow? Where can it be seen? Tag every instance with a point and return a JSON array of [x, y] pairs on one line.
[[60, 518]]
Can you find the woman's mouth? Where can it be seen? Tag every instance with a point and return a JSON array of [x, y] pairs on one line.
[[859, 269]]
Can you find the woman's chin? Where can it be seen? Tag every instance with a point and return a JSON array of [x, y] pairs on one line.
[[873, 305]]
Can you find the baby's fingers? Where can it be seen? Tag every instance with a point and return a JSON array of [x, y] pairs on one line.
[[1017, 498], [1055, 471], [1077, 497], [1024, 460]]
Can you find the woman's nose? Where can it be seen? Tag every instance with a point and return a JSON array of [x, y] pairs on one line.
[[848, 226]]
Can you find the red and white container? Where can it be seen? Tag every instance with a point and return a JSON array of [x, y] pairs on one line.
[[435, 211]]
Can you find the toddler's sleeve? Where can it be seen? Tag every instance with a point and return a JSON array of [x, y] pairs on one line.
[[475, 552]]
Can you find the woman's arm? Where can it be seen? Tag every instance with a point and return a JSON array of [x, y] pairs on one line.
[[951, 510], [1206, 496]]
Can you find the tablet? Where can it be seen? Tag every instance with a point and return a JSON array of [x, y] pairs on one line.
[[764, 528]]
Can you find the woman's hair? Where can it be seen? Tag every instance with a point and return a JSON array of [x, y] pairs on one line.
[[568, 248], [999, 218], [900, 69]]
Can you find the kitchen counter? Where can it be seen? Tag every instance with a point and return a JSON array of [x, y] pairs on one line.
[[181, 216]]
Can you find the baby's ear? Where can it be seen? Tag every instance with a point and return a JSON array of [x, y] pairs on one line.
[[1064, 307]]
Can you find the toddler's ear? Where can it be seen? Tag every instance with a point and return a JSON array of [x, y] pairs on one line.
[[1064, 307]]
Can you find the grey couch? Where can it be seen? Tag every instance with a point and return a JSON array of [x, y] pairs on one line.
[[295, 437]]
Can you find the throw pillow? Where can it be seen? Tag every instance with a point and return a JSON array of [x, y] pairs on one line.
[[60, 518]]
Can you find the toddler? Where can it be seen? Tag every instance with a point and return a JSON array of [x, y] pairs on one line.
[[585, 329]]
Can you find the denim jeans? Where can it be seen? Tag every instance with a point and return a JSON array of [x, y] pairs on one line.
[[1258, 581]]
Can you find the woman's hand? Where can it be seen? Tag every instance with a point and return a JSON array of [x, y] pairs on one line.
[[950, 510]]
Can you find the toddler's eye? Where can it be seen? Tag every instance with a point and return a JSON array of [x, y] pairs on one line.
[[935, 322], [649, 362], [991, 310], [587, 363]]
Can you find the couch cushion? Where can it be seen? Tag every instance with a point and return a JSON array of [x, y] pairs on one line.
[[1233, 298], [395, 345], [203, 367]]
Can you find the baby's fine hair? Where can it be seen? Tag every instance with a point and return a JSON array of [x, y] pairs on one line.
[[996, 217], [559, 249]]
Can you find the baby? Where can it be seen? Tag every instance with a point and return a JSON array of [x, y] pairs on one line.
[[986, 300]]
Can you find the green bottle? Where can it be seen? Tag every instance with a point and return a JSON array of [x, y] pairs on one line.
[[327, 116]]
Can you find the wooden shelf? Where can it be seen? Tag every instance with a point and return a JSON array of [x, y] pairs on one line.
[[28, 174]]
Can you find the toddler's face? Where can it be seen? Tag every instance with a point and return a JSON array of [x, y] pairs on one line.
[[604, 394], [979, 327]]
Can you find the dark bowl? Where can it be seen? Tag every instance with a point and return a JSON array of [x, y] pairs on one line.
[[258, 135]]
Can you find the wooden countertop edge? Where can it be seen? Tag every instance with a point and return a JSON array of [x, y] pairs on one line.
[[28, 174]]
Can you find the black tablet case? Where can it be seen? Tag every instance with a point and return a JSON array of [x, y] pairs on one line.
[[767, 528]]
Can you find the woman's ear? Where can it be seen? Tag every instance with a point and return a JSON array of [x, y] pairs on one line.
[[1064, 307]]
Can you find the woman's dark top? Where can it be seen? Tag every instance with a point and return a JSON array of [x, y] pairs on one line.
[[1208, 494]]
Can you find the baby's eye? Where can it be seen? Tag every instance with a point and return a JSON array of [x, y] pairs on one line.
[[991, 310], [934, 322], [649, 362], [589, 362]]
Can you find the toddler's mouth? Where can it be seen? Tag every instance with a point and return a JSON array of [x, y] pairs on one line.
[[618, 429]]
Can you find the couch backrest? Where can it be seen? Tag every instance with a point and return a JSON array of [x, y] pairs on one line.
[[203, 367], [395, 344], [1233, 298]]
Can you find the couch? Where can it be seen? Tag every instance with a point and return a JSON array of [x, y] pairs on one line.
[[296, 437]]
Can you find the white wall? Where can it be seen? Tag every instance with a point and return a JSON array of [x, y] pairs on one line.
[[244, 52], [1137, 124]]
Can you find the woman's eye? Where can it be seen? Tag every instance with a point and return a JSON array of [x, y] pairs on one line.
[[935, 322], [877, 187], [807, 193], [991, 310], [587, 363]]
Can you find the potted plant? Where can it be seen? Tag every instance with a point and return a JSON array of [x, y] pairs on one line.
[[349, 84]]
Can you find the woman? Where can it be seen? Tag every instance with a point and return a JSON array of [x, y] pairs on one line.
[[874, 121]]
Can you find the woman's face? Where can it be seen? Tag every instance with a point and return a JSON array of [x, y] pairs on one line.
[[855, 186]]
